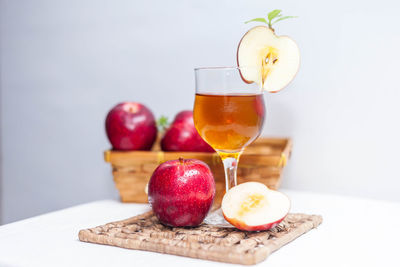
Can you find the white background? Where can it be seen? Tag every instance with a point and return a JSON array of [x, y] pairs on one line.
[[64, 64]]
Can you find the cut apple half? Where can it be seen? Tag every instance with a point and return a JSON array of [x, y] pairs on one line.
[[252, 206], [267, 59]]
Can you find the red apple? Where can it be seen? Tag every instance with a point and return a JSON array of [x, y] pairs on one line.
[[181, 192], [183, 136], [131, 126], [252, 206]]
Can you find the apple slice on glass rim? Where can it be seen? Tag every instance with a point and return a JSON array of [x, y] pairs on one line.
[[252, 206], [267, 59]]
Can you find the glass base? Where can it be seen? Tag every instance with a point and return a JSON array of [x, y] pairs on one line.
[[215, 218]]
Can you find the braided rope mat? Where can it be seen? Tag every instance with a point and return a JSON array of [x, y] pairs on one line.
[[144, 232]]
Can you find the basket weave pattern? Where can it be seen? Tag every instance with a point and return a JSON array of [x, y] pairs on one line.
[[144, 232], [263, 161]]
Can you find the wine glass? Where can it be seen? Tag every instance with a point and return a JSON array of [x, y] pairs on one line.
[[228, 114]]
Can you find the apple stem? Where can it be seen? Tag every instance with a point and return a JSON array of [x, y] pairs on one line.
[[181, 160], [270, 27]]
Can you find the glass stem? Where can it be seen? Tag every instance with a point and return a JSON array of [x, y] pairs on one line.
[[230, 162]]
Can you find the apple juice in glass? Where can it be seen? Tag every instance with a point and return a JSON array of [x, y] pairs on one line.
[[228, 114]]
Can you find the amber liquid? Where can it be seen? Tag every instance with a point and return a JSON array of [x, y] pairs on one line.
[[229, 123]]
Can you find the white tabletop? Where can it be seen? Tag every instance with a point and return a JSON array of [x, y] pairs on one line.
[[355, 232]]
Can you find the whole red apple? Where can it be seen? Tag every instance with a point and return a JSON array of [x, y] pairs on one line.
[[181, 192], [131, 126], [183, 136]]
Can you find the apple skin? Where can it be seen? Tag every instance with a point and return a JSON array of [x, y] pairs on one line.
[[183, 136], [131, 126], [242, 226], [181, 192], [185, 116]]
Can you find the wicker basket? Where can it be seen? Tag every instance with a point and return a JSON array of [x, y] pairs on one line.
[[263, 161]]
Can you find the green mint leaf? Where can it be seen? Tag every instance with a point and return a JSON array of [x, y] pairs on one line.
[[273, 17], [283, 18], [273, 14], [258, 20]]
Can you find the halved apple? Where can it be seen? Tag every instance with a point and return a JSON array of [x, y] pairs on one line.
[[267, 59], [252, 206]]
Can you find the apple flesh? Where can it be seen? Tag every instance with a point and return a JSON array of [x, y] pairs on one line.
[[252, 206], [181, 192], [131, 126], [267, 59], [183, 136]]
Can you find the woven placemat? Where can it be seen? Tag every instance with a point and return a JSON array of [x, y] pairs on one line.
[[144, 232]]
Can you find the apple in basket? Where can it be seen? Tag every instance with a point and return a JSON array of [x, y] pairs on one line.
[[183, 136], [131, 126], [181, 192]]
